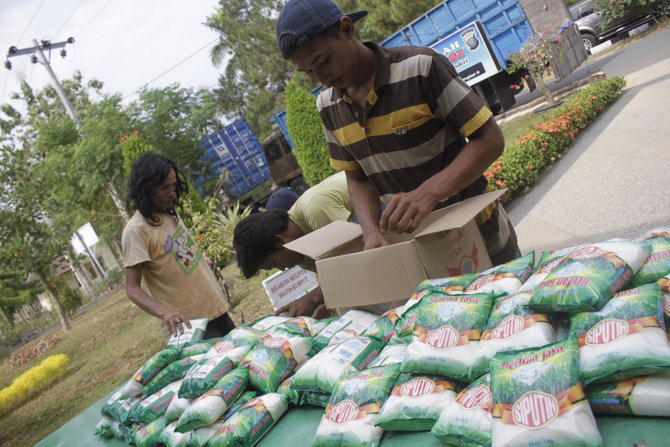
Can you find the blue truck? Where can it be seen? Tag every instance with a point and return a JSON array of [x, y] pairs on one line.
[[252, 167]]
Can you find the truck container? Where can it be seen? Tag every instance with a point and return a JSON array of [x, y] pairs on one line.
[[252, 168], [236, 149]]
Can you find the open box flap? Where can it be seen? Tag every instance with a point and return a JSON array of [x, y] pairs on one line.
[[458, 214], [320, 243]]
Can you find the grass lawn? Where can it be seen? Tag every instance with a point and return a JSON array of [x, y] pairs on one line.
[[106, 345]]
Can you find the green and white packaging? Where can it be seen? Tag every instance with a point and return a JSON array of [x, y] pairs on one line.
[[154, 405], [467, 421], [292, 395], [393, 352], [503, 279], [147, 435], [204, 375], [584, 279], [251, 422], [350, 416], [511, 327], [112, 407], [236, 344], [354, 321], [200, 436], [626, 338], [638, 396], [176, 408], [191, 335], [209, 407], [383, 328], [274, 358], [150, 368], [446, 333], [315, 398], [538, 399], [174, 371], [416, 402], [128, 407], [657, 264], [269, 321], [195, 349], [172, 438], [324, 370], [109, 428]]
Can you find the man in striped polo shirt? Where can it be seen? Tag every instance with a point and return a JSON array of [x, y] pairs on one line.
[[400, 122]]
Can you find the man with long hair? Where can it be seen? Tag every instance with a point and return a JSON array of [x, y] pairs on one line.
[[158, 247]]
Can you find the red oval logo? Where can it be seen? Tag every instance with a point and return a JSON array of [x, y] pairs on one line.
[[442, 338], [606, 331], [479, 396], [535, 409], [587, 253], [479, 283], [508, 327], [343, 411], [416, 387], [224, 346]]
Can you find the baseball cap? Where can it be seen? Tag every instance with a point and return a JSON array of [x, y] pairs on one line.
[[282, 199], [302, 20]]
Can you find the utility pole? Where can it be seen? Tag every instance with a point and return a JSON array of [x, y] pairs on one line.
[[38, 56]]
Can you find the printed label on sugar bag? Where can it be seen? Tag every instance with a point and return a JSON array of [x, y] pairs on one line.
[[626, 336], [538, 398], [446, 333], [587, 277], [467, 420], [416, 402]]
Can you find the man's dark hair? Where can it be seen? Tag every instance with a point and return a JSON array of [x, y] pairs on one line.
[[289, 43], [255, 238], [149, 170]]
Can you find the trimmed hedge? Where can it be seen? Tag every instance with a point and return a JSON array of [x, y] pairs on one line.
[[520, 165], [51, 369], [304, 126]]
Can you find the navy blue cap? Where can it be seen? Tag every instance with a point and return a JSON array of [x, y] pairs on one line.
[[282, 199], [303, 20]]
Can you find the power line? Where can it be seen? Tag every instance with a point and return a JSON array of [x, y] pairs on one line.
[[173, 67], [69, 17], [93, 18], [31, 21]]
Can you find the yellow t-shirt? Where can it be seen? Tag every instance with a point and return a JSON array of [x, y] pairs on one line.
[[175, 272], [320, 205]]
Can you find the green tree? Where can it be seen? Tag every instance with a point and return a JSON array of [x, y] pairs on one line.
[[612, 10], [28, 242], [304, 125], [15, 292], [255, 76], [173, 120]]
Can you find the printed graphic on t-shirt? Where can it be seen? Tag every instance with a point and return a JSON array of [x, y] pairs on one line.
[[184, 250]]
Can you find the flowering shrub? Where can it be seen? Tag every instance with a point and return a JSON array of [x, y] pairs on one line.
[[51, 369], [536, 55], [520, 165], [18, 358]]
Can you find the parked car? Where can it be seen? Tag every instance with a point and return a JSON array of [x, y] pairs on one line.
[[588, 23]]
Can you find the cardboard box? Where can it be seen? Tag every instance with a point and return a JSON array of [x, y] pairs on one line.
[[289, 285], [448, 243]]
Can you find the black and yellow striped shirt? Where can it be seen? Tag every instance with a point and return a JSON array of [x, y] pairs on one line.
[[416, 120]]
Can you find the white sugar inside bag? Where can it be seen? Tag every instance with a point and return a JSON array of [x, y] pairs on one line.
[[626, 338]]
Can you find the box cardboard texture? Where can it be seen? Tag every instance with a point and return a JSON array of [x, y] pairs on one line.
[[448, 243]]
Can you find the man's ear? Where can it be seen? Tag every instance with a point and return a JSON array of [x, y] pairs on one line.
[[281, 239], [347, 28]]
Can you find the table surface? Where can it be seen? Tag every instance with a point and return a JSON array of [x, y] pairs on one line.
[[298, 425]]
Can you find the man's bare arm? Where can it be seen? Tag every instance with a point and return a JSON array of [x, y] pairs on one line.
[[366, 205]]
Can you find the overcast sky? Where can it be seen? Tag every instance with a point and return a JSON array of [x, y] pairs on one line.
[[123, 43]]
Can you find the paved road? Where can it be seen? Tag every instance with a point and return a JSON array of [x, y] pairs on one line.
[[631, 58], [615, 179]]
